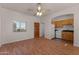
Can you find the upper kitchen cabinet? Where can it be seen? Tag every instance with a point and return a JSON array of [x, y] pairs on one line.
[[63, 22], [68, 22], [58, 24]]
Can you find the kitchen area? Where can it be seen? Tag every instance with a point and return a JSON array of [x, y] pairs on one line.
[[64, 27]]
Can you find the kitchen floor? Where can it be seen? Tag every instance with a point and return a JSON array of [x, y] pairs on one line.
[[39, 46]]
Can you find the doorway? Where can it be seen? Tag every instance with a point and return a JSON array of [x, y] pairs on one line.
[[36, 30]]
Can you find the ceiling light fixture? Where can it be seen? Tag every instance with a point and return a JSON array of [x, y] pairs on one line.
[[39, 7], [39, 10]]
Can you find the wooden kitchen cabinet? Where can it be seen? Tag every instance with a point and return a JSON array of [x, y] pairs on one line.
[[68, 22], [61, 23], [58, 24], [67, 36], [71, 21]]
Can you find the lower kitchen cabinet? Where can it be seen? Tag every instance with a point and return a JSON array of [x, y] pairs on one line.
[[67, 36]]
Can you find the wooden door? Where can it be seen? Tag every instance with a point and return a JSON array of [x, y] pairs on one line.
[[36, 30]]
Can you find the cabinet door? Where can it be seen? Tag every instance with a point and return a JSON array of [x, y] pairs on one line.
[[68, 22], [58, 24], [67, 35], [71, 21], [65, 22]]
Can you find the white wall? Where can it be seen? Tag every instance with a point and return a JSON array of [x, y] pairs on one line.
[[49, 27], [7, 19], [72, 10], [0, 30]]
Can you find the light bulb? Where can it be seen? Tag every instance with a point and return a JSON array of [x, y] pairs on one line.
[[38, 13], [39, 8]]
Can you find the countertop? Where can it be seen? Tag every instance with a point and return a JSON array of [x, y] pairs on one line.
[[67, 31]]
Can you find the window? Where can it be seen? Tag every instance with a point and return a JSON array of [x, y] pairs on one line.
[[19, 26]]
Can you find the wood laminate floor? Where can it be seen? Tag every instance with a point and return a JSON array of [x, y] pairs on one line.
[[39, 46]]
